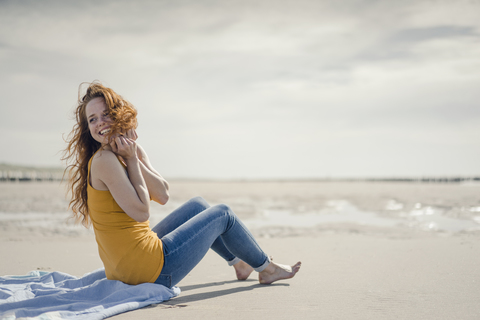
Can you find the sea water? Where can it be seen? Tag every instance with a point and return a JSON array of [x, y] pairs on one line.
[[41, 207]]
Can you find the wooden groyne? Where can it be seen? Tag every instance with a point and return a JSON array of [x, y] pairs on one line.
[[473, 179], [30, 175], [12, 173], [38, 175]]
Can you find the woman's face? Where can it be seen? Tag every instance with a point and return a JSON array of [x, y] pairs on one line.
[[98, 119]]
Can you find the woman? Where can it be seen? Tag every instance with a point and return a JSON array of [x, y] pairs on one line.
[[112, 183]]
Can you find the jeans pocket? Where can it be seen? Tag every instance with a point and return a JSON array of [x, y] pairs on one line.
[[164, 280]]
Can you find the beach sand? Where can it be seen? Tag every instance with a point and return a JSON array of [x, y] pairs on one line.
[[349, 270]]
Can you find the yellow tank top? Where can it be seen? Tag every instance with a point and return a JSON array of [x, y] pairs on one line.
[[130, 251]]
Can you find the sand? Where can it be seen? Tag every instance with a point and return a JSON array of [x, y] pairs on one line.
[[344, 276], [349, 271]]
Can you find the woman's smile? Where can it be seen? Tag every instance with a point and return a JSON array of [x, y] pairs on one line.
[[98, 118], [104, 131]]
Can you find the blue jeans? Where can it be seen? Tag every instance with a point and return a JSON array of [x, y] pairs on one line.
[[189, 231]]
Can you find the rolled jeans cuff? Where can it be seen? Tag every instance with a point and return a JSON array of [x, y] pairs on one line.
[[263, 266], [234, 261]]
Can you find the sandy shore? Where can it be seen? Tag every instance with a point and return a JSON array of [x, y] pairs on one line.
[[344, 276], [352, 269]]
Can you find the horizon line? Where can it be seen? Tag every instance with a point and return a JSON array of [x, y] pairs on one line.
[[9, 172]]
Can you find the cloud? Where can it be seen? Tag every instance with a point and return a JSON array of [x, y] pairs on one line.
[[246, 89], [432, 33]]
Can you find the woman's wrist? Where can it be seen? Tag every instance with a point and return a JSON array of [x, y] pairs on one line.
[[136, 178], [131, 160]]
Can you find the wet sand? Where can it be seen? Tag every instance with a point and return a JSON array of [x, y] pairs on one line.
[[350, 270]]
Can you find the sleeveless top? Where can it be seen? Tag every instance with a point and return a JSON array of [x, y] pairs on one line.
[[130, 251]]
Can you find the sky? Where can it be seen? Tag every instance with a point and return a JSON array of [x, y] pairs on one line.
[[253, 89]]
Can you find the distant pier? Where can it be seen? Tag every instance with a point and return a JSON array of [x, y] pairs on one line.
[[56, 174], [29, 175], [475, 179]]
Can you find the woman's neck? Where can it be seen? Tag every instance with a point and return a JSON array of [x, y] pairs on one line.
[[106, 146]]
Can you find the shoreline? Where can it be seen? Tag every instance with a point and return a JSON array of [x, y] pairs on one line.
[[274, 209], [358, 262], [11, 173]]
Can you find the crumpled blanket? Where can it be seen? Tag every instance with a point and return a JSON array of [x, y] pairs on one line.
[[56, 295]]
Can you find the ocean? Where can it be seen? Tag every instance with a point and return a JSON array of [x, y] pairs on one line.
[[273, 208]]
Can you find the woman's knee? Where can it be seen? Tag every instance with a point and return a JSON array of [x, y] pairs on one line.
[[199, 201], [223, 208], [225, 211]]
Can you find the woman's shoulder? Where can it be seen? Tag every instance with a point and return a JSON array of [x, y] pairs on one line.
[[105, 166], [103, 154], [104, 157]]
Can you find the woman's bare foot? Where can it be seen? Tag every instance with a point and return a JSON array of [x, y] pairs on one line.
[[243, 270], [276, 271]]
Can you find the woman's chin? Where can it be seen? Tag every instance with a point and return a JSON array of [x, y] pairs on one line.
[[100, 139]]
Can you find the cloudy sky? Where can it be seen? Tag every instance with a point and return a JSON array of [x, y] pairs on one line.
[[253, 89]]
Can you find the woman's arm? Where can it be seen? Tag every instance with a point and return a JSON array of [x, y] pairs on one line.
[[130, 192], [157, 185]]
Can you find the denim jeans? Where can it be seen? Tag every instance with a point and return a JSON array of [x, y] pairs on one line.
[[189, 231]]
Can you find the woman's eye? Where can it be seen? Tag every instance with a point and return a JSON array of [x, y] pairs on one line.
[[91, 120]]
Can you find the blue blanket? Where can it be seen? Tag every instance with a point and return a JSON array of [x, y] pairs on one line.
[[56, 295]]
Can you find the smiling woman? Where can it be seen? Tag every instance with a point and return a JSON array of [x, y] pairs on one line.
[[112, 183], [84, 140]]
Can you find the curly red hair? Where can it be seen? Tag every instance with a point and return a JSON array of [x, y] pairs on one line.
[[81, 146]]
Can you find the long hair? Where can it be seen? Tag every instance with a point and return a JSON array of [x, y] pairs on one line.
[[81, 146]]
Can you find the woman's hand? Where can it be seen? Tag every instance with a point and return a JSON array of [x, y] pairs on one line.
[[121, 143], [124, 147], [131, 134]]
